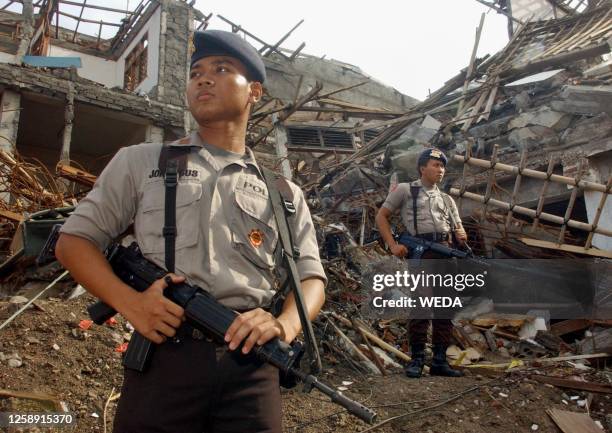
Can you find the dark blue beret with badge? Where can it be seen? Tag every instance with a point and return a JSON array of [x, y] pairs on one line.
[[428, 154], [219, 43]]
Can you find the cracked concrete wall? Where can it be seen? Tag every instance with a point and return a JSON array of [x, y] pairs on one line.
[[57, 84], [283, 78], [9, 120]]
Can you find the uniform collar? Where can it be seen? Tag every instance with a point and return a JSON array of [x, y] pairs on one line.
[[434, 189], [195, 140]]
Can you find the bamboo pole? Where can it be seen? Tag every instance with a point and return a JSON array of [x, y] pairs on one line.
[[549, 170], [353, 349], [517, 185], [468, 155], [570, 205], [487, 195], [470, 70], [585, 185], [532, 213], [377, 360]]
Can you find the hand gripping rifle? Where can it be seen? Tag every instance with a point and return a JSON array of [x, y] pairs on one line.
[[419, 246], [206, 314]]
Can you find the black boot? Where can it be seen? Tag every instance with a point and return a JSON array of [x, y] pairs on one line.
[[439, 365], [415, 368]]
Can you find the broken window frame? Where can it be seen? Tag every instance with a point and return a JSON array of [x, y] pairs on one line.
[[136, 70]]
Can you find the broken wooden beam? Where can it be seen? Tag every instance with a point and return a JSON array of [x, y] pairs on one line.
[[74, 174], [603, 388]]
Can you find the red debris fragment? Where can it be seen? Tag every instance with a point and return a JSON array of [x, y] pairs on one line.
[[121, 348], [85, 324]]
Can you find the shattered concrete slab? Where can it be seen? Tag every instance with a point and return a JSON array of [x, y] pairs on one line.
[[544, 116], [533, 137], [591, 100]]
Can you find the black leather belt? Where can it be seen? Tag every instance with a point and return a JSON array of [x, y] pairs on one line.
[[435, 237]]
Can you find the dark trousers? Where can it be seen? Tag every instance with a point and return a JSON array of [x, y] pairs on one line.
[[442, 328], [196, 386], [442, 331]]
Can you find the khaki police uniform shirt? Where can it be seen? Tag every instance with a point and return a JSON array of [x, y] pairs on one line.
[[433, 215], [227, 236]]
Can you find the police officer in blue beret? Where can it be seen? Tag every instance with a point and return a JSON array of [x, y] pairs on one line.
[[226, 242], [430, 214]]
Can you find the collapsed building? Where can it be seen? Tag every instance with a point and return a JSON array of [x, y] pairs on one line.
[[60, 87], [528, 131]]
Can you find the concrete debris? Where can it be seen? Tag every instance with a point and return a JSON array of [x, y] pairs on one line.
[[538, 138], [542, 117], [533, 138], [586, 100]]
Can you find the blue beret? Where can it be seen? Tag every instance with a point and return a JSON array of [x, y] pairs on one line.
[[219, 43], [428, 154]]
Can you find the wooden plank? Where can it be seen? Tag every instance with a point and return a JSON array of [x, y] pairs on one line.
[[11, 215], [468, 76], [595, 252], [567, 326], [502, 320], [603, 388], [573, 422], [573, 357], [38, 396], [483, 96], [75, 174], [353, 349], [489, 105], [379, 341], [581, 35]]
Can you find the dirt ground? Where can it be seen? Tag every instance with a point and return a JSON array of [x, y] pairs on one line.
[[81, 367]]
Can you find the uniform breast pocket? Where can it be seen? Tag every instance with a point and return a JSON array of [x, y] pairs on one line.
[[254, 231], [150, 216], [440, 208]]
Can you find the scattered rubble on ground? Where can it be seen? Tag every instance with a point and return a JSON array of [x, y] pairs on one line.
[[528, 132]]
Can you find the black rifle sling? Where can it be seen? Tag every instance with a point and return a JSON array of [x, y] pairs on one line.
[[172, 161], [453, 221], [281, 198], [414, 192]]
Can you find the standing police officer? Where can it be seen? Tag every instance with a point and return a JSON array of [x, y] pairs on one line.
[[432, 215], [226, 243]]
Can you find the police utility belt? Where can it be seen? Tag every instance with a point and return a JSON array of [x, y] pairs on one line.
[[435, 237]]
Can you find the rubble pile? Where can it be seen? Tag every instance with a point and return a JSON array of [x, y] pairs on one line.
[[526, 132], [542, 104]]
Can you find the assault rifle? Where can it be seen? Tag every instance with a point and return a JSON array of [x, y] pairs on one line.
[[206, 314], [419, 246]]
